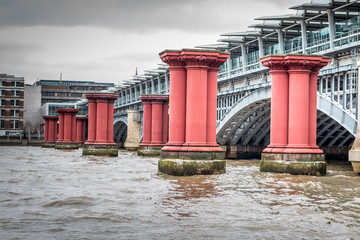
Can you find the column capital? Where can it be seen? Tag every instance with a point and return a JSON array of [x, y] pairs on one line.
[[67, 110], [274, 62], [172, 58], [302, 62], [193, 57], [101, 96], [50, 117], [154, 98]]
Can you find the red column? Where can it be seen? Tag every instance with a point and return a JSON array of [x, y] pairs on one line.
[[212, 100], [156, 122], [46, 127], [55, 119], [101, 121], [67, 127], [146, 122], [101, 117], [177, 97], [279, 103], [51, 136], [196, 105], [73, 128], [61, 127], [83, 138], [165, 122], [79, 129], [110, 123], [92, 120]]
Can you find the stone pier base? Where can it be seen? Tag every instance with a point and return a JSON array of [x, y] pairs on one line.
[[48, 144], [187, 163], [304, 164], [62, 145], [181, 167], [149, 150], [100, 150], [354, 158]]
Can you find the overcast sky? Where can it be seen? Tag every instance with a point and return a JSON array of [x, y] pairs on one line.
[[105, 40]]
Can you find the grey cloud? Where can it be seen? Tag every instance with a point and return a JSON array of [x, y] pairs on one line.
[[130, 15]]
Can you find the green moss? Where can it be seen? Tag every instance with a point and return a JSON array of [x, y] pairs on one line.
[[111, 152], [191, 167], [314, 168], [66, 146]]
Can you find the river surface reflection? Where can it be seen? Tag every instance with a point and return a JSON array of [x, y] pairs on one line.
[[53, 194]]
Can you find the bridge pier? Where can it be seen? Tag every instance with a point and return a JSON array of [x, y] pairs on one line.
[[133, 131], [293, 146], [100, 128], [155, 124], [80, 130], [354, 153], [50, 135], [67, 129], [192, 124]]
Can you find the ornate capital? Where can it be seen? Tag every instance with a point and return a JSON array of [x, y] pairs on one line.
[[146, 99], [101, 96], [199, 58], [274, 62], [67, 110], [302, 62], [172, 58], [219, 60]]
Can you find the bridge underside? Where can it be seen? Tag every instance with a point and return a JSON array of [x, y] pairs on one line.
[[247, 133], [120, 133]]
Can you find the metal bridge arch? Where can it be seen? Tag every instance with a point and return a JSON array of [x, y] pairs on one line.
[[120, 130], [248, 122]]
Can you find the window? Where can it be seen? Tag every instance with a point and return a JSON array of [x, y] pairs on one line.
[[2, 113], [15, 103], [2, 102], [2, 123], [3, 92], [14, 113], [14, 124], [15, 93], [3, 83]]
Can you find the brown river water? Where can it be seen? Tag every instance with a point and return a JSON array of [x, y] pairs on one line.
[[54, 194]]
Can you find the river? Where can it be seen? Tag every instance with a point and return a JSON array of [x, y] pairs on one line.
[[54, 194]]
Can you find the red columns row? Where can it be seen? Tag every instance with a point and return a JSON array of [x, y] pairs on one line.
[[67, 125], [193, 94], [293, 102], [50, 135], [155, 119], [101, 117]]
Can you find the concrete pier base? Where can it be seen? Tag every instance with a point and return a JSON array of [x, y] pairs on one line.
[[148, 150], [354, 158], [48, 144], [63, 145], [181, 167], [304, 164], [100, 150]]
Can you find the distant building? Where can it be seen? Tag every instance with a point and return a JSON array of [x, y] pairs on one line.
[[32, 113], [11, 105], [56, 91]]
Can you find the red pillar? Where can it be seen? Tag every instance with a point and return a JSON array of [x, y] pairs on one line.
[[279, 103], [101, 121], [50, 134], [92, 120], [100, 118], [110, 122], [61, 127], [177, 99], [165, 122], [146, 121], [46, 133], [79, 130], [156, 122], [68, 123], [84, 130], [212, 100]]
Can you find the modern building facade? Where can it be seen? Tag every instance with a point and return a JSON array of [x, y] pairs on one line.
[[60, 91], [11, 105]]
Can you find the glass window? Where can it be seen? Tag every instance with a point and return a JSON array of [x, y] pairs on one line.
[[3, 83], [2, 123], [3, 92], [2, 102], [15, 103], [2, 112]]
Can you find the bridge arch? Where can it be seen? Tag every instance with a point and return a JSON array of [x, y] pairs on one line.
[[248, 123], [120, 131]]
